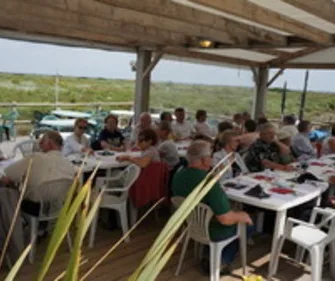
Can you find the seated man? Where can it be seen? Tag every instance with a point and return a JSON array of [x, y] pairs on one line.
[[182, 129], [250, 135], [110, 137], [47, 166], [201, 127], [144, 123], [289, 125], [301, 144], [265, 152], [184, 181]]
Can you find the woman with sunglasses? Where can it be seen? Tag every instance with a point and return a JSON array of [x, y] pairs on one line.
[[146, 142], [77, 142]]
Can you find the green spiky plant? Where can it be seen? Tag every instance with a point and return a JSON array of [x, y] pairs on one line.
[[78, 210]]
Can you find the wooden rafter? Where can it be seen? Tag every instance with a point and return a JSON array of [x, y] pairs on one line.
[[181, 52], [252, 12], [281, 62], [274, 78], [168, 9], [324, 9]]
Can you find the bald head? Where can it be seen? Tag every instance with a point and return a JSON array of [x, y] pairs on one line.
[[51, 140], [145, 120]]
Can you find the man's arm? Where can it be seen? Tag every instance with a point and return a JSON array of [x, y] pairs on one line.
[[232, 218], [14, 173]]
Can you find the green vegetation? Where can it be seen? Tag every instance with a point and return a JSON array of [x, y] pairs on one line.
[[216, 99]]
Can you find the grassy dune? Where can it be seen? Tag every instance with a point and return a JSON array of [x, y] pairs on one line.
[[216, 99]]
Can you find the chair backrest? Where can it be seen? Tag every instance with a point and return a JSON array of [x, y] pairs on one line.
[[52, 196], [25, 147], [329, 222], [198, 221], [151, 185], [128, 177]]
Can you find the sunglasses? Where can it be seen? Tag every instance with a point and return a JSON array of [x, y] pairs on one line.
[[82, 127]]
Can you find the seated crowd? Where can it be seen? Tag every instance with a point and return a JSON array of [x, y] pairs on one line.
[[256, 145]]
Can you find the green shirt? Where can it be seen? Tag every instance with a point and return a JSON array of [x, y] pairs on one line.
[[183, 184]]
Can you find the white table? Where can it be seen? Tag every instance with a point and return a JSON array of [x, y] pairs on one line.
[[279, 203], [71, 114], [107, 162], [62, 123]]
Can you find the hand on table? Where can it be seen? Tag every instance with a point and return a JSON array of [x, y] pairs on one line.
[[289, 168]]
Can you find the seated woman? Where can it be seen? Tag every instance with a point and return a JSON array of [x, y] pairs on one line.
[[228, 142], [110, 137], [328, 145], [167, 149], [77, 142], [146, 142]]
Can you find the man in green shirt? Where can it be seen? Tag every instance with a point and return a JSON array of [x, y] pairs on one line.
[[224, 222]]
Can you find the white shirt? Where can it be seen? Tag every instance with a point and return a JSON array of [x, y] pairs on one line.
[[204, 129], [46, 167], [153, 153], [73, 145], [169, 153], [182, 130], [219, 155], [291, 129]]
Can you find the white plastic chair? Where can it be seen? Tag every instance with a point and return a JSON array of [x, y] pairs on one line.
[[313, 238], [50, 205], [25, 147], [198, 230], [115, 197]]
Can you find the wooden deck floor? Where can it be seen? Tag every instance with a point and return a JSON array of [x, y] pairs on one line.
[[126, 258]]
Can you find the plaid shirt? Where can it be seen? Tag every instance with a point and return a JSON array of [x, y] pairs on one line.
[[259, 151]]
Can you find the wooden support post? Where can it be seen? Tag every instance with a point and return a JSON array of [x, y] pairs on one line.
[[303, 97], [142, 87], [261, 77], [283, 101]]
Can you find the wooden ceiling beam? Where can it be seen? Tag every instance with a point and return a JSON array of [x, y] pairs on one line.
[[330, 66], [128, 16], [23, 14], [324, 9], [168, 9], [181, 52], [252, 12], [281, 61]]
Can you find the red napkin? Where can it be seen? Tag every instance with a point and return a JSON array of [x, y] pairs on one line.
[[262, 178], [282, 190], [317, 164]]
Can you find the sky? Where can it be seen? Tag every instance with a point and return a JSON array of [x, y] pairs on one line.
[[37, 58]]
